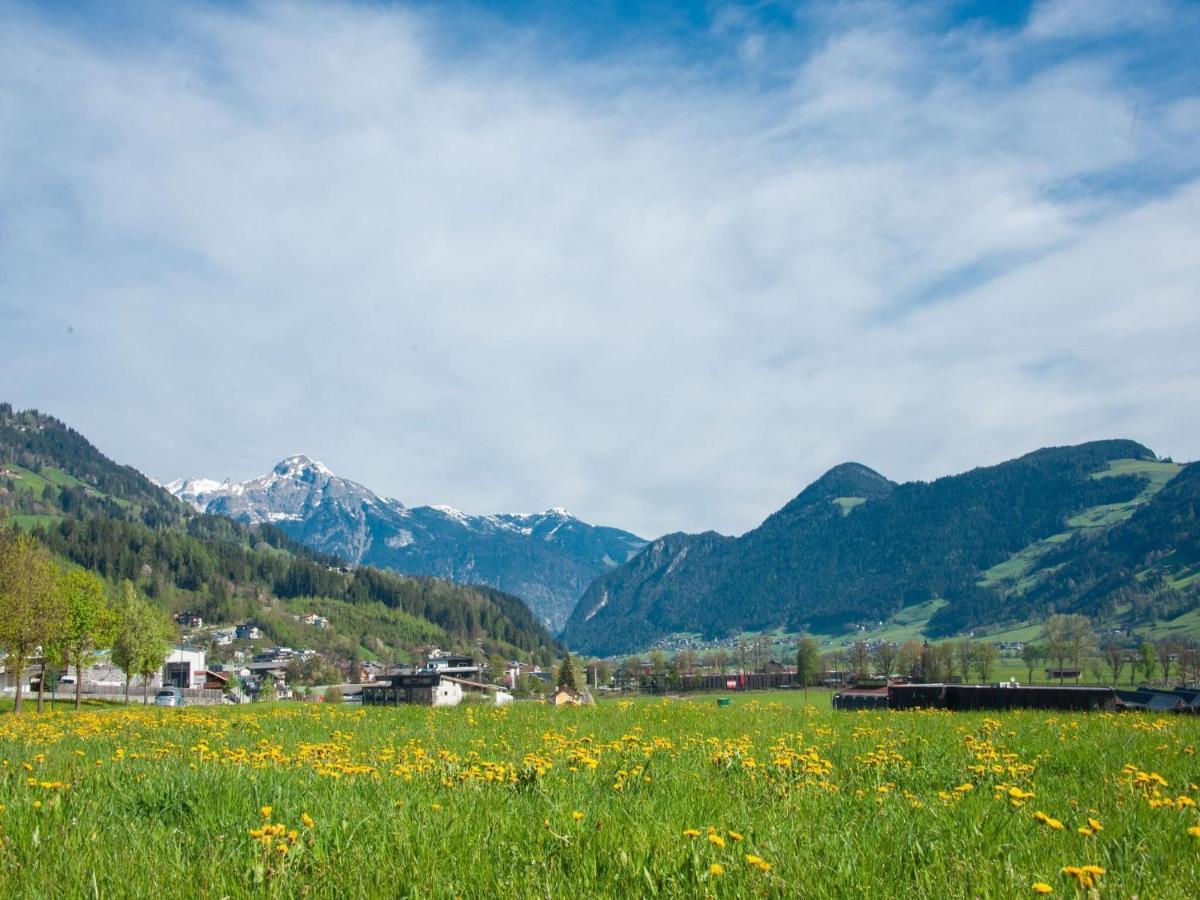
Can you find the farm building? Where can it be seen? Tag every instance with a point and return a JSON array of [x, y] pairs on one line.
[[1001, 696], [1179, 700]]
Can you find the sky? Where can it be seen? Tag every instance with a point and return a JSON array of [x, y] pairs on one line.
[[662, 264]]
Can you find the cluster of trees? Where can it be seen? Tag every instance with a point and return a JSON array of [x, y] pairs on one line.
[[49, 617], [941, 661], [1068, 642]]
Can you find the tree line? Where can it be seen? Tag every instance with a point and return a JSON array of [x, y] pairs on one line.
[[50, 617]]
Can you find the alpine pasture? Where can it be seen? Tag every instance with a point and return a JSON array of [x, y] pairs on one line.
[[774, 796]]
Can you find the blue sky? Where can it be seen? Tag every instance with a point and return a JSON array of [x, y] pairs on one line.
[[662, 264]]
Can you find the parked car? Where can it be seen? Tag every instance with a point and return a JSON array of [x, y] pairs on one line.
[[169, 696], [67, 680]]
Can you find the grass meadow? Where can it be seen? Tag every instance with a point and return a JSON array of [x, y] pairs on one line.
[[629, 798]]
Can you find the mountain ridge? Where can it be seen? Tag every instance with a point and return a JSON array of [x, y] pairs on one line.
[[548, 559], [827, 557]]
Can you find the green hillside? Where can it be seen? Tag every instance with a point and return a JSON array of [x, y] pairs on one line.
[[996, 547], [111, 519]]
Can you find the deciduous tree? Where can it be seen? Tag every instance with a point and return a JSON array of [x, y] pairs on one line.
[[90, 623], [29, 600]]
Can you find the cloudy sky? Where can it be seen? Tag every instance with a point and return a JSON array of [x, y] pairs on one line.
[[660, 264]]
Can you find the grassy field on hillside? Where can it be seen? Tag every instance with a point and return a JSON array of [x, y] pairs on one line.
[[630, 798], [1012, 573]]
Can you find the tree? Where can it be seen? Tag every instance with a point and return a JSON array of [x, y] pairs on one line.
[[1068, 637], [1031, 655], [1114, 656], [140, 644], [89, 623], [986, 655], [908, 658], [566, 673], [1147, 662], [860, 657], [28, 599], [885, 658], [964, 652], [808, 661], [155, 645], [1167, 654]]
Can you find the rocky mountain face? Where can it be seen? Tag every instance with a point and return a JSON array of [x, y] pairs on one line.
[[548, 559], [1060, 528]]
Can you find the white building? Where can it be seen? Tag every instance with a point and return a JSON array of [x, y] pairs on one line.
[[184, 667]]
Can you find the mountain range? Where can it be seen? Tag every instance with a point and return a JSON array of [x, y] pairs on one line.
[[547, 559], [113, 520], [1105, 528]]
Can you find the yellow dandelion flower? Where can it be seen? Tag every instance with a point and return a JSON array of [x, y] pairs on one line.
[[1086, 832], [964, 788], [733, 835], [717, 841], [307, 820], [716, 869], [1095, 825], [266, 812], [576, 815], [1194, 831], [436, 807], [691, 833], [1040, 887]]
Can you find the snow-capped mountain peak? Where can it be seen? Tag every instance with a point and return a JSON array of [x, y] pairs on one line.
[[300, 465], [547, 559]]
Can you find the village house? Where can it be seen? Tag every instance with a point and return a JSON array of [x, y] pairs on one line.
[[565, 695], [248, 632], [189, 620]]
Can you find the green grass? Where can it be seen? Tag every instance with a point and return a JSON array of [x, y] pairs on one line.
[[611, 801], [32, 521], [907, 624], [1014, 573], [846, 504]]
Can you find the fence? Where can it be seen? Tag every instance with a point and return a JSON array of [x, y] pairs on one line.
[[93, 691]]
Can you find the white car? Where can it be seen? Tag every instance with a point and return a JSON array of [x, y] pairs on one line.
[[171, 696]]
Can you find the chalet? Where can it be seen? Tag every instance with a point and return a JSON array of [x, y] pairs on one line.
[[248, 632], [314, 620], [565, 695], [424, 688], [189, 620], [216, 681], [224, 637]]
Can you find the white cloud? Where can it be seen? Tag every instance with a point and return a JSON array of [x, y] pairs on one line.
[[499, 282], [1054, 19]]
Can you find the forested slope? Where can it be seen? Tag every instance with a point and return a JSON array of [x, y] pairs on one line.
[[113, 520]]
